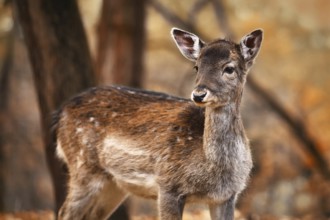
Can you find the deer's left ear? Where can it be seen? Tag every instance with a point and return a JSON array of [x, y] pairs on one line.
[[250, 45], [189, 44]]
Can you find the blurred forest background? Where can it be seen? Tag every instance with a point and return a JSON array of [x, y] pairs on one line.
[[286, 106]]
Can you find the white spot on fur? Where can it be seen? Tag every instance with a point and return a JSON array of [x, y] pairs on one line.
[[59, 152], [91, 119], [143, 179], [79, 130], [131, 92], [80, 158], [190, 138], [84, 140], [114, 114], [79, 162], [124, 145]]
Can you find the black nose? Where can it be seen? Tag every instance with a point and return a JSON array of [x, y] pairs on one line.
[[199, 97]]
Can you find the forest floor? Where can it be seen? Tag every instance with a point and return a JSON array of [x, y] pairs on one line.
[[191, 215]]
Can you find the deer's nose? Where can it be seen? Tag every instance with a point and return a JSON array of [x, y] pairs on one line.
[[199, 95]]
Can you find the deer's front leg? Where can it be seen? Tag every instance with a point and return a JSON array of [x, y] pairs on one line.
[[170, 206], [224, 211]]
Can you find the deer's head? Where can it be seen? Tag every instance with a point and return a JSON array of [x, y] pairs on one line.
[[221, 65]]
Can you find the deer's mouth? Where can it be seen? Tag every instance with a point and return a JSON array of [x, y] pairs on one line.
[[201, 104]]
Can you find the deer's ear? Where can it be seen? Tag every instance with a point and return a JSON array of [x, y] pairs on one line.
[[250, 45], [189, 44]]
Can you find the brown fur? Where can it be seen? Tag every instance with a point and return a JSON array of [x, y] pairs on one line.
[[118, 140]]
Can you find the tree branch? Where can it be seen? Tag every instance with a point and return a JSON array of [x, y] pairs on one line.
[[222, 19], [170, 17], [197, 7], [5, 69], [296, 125]]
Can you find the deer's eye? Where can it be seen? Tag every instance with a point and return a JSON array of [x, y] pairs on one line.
[[229, 70], [196, 68]]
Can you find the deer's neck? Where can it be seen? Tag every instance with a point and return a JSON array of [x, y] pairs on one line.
[[223, 134]]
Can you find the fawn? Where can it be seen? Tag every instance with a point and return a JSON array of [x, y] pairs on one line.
[[118, 140]]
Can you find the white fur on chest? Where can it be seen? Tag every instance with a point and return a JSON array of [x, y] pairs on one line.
[[242, 165], [234, 169]]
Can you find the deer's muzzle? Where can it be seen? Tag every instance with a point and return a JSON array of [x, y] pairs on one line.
[[199, 94]]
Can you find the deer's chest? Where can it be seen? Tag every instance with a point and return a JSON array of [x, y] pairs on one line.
[[216, 182]]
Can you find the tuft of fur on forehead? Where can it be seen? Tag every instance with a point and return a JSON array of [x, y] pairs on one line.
[[220, 49]]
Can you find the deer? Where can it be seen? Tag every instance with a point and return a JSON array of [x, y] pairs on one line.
[[117, 141]]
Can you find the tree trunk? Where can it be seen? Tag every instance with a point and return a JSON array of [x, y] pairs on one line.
[[4, 93], [61, 64], [121, 38], [24, 178]]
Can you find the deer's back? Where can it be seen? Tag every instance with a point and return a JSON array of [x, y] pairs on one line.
[[134, 135]]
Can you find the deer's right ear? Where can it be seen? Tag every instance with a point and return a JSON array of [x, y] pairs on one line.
[[250, 46], [189, 44]]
